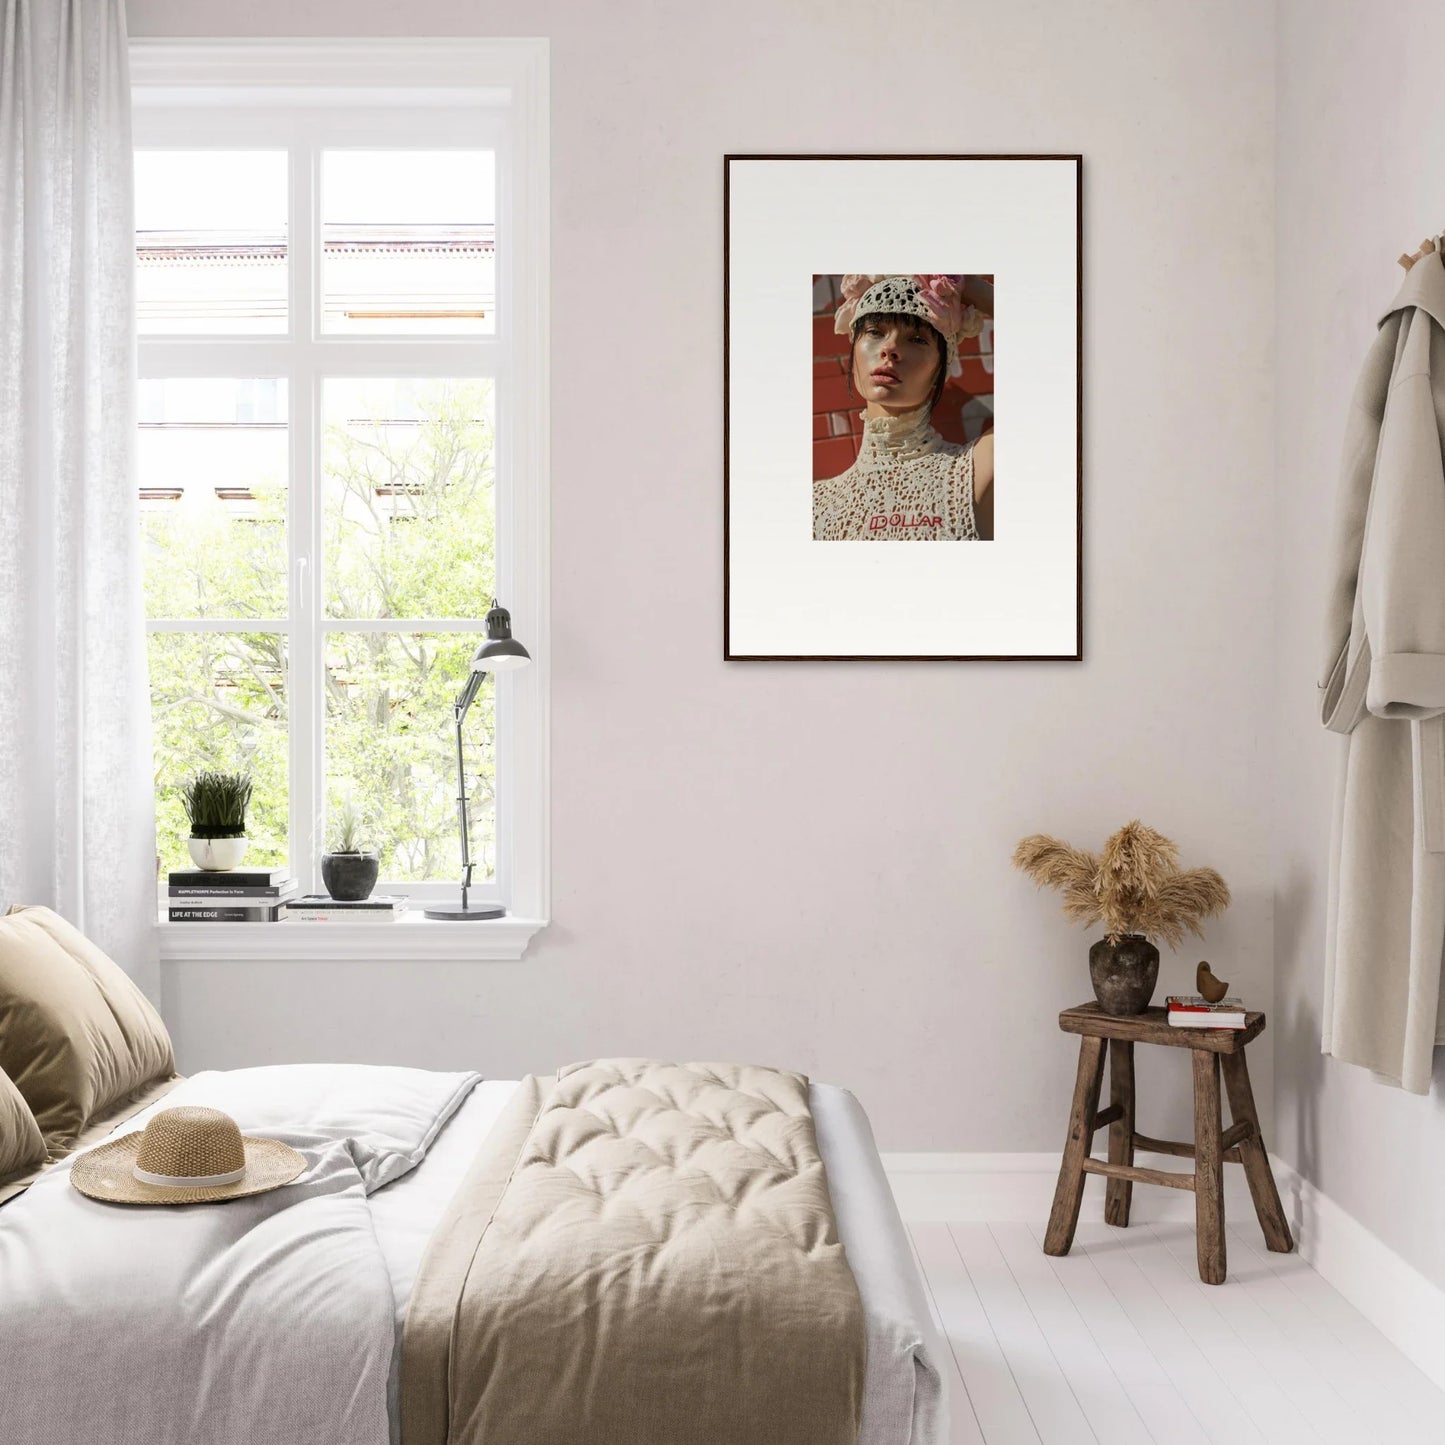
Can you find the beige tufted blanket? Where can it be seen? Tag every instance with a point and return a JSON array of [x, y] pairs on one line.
[[644, 1254]]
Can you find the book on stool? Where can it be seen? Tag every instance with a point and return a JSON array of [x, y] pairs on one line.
[[1194, 1011]]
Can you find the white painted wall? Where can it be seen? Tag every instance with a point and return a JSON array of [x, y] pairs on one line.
[[808, 864], [1361, 178]]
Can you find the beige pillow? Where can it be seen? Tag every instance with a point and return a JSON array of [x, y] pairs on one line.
[[76, 1035], [21, 1147]]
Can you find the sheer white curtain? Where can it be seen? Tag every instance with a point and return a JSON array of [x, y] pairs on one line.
[[76, 804]]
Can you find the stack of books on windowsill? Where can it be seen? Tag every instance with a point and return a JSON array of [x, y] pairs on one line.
[[241, 895], [1194, 1011], [320, 908]]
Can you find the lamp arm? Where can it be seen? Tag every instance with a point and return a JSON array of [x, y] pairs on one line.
[[468, 694], [459, 713], [465, 698]]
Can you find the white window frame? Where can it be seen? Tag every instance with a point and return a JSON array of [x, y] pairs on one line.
[[306, 96]]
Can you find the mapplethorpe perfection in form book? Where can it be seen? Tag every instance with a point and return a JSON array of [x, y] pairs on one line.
[[254, 895]]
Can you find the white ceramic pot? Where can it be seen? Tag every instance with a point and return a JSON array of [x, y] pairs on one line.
[[216, 855]]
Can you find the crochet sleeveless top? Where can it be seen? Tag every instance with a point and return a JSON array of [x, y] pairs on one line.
[[907, 485]]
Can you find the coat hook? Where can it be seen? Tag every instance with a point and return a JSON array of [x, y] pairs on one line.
[[1427, 246]]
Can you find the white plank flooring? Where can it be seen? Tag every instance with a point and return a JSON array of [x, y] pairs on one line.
[[1120, 1343]]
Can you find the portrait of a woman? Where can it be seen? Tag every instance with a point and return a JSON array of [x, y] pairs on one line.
[[907, 484]]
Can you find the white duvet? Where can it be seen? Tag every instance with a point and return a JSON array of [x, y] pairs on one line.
[[261, 1320], [275, 1318]]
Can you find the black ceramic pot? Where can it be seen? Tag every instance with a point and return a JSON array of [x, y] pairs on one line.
[[350, 877], [1124, 973]]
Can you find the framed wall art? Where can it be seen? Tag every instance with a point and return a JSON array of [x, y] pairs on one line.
[[871, 398]]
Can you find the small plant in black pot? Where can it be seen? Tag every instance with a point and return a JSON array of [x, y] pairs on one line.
[[350, 869], [216, 805]]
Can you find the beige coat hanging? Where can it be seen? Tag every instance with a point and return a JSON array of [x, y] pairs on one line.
[[1384, 685]]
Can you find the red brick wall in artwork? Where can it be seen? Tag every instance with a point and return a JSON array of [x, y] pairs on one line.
[[964, 411]]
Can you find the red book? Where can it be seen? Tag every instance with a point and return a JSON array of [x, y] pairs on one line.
[[1191, 1011]]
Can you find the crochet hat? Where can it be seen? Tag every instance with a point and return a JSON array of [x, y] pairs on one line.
[[186, 1155], [937, 300]]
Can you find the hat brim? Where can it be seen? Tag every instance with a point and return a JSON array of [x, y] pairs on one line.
[[107, 1173]]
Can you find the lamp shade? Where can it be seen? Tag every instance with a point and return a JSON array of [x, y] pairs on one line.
[[501, 652]]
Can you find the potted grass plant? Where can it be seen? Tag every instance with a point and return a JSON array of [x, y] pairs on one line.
[[1136, 889], [350, 869], [216, 805]]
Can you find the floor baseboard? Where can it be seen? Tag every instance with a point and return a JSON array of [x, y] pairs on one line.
[[1406, 1307]]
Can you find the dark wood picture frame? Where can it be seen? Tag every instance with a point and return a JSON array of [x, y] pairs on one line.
[[1077, 655]]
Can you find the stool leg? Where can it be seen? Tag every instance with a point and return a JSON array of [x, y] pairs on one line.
[[1119, 1193], [1254, 1158], [1208, 1169], [1064, 1217]]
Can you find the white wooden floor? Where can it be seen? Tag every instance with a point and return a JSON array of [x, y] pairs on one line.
[[1119, 1342]]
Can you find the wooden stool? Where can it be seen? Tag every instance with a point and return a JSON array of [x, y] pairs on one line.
[[1239, 1144]]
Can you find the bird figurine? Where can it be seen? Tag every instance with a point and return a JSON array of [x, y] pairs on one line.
[[1208, 986]]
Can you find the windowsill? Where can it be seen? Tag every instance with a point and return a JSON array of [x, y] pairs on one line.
[[410, 937]]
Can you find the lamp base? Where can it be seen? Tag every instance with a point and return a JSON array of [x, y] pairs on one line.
[[457, 912]]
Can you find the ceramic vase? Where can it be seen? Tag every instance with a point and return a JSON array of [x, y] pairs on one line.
[[350, 877], [1124, 973], [216, 855]]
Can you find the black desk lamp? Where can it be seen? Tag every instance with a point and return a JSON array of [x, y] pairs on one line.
[[501, 652]]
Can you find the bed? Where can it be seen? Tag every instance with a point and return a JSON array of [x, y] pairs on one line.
[[903, 1399], [630, 1252]]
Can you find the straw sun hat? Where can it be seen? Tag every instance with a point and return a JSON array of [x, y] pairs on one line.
[[186, 1155]]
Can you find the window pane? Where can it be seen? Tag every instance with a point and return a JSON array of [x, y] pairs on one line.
[[212, 464], [408, 242], [409, 511], [210, 242], [218, 700], [391, 748]]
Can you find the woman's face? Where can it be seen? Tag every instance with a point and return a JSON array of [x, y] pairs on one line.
[[895, 363]]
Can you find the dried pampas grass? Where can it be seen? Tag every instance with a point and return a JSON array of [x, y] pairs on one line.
[[1135, 885], [1051, 863]]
